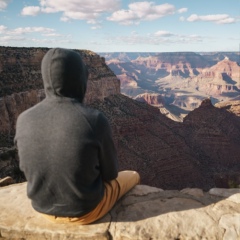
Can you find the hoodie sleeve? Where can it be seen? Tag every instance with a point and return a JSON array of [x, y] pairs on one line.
[[107, 151]]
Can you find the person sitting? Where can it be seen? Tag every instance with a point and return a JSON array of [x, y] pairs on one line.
[[65, 148]]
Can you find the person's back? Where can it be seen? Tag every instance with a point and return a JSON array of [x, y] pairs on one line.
[[65, 149]]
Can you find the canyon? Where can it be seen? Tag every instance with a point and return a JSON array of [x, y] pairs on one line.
[[201, 151], [180, 79]]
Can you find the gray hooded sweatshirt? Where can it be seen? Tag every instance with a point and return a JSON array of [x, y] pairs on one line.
[[65, 149]]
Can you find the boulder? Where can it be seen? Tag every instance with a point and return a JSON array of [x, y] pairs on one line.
[[6, 181], [143, 213]]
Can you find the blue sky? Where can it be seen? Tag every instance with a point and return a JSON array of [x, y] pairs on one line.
[[122, 25]]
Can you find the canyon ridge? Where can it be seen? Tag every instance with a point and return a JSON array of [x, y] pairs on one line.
[[177, 82]]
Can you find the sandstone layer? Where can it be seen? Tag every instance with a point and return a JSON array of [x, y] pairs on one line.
[[144, 213]]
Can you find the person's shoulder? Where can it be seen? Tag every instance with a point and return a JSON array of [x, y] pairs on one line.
[[95, 115], [92, 112], [28, 113]]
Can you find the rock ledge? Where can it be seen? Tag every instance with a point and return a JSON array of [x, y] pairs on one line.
[[144, 213]]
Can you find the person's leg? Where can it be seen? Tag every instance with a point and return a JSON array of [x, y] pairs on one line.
[[114, 190], [127, 180]]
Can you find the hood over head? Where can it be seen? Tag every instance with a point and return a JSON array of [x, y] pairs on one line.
[[64, 74]]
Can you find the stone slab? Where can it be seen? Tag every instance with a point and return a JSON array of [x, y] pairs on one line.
[[144, 213], [18, 220]]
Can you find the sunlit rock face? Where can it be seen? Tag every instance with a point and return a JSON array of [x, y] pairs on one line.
[[182, 79]]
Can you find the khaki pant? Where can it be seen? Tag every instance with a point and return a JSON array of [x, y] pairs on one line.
[[114, 190]]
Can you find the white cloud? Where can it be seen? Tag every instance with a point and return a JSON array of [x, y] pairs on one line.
[[96, 27], [74, 9], [49, 40], [2, 28], [93, 21], [141, 11], [217, 18], [182, 10], [64, 19], [157, 38], [227, 20], [90, 17], [84, 6], [31, 11], [20, 31], [3, 4], [7, 39], [163, 34], [182, 19], [51, 35], [32, 35]]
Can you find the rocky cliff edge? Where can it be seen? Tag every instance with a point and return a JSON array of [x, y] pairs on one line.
[[144, 213]]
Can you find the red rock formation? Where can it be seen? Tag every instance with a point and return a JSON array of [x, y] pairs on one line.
[[224, 70], [221, 79], [182, 76], [150, 98], [214, 133], [231, 106]]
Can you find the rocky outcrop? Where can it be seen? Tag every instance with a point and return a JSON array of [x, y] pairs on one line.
[[225, 70], [231, 106], [148, 142], [20, 71], [214, 133], [222, 79], [150, 98], [177, 63], [6, 181], [144, 213], [169, 154], [10, 107], [9, 166], [21, 84]]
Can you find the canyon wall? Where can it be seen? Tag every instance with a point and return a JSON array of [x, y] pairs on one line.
[[182, 79], [171, 154], [21, 83]]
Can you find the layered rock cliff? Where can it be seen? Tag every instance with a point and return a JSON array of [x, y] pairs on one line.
[[21, 83], [20, 71], [183, 79], [150, 98]]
